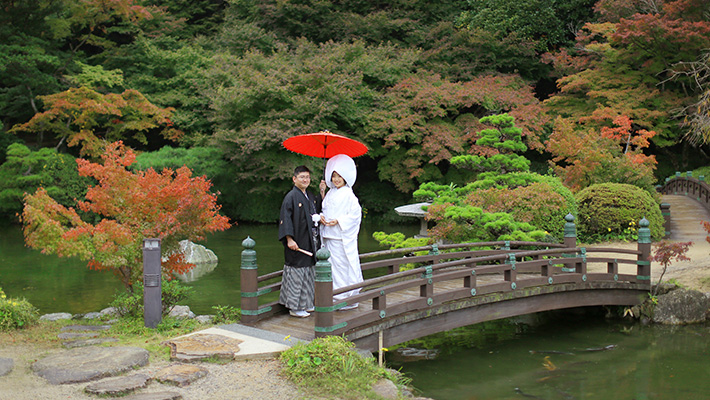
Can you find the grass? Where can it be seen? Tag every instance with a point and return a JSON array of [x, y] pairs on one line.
[[129, 332]]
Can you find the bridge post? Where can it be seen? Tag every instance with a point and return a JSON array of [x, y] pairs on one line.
[[666, 212], [570, 232], [643, 263], [249, 283], [324, 294]]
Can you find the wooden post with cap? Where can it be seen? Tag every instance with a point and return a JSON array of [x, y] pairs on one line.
[[324, 294], [249, 283]]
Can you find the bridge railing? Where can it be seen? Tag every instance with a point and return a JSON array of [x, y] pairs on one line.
[[687, 185], [480, 270]]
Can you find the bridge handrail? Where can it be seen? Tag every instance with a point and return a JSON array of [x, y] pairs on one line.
[[501, 243], [688, 186], [685, 186], [503, 255]]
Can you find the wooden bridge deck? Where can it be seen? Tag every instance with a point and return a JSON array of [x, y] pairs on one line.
[[303, 328]]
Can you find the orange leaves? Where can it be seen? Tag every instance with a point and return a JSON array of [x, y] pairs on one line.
[[171, 205], [89, 119], [585, 156]]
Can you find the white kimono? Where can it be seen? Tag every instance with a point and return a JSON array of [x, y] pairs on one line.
[[341, 239]]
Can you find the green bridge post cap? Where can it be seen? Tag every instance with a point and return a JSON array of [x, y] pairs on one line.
[[689, 174], [570, 228], [644, 233], [322, 254], [248, 243], [248, 254], [677, 173], [701, 178], [323, 267]]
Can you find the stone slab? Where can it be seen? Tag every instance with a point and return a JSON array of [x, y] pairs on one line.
[[164, 395], [86, 364], [87, 342], [118, 386], [180, 374], [85, 328], [202, 346], [254, 346], [6, 365], [77, 335]]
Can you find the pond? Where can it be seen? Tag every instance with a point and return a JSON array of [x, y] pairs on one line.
[[55, 284], [569, 357]]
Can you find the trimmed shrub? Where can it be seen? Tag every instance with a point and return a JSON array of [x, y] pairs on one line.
[[610, 211], [514, 206], [538, 204], [16, 313]]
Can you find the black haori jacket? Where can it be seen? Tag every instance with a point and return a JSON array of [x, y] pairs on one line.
[[295, 221]]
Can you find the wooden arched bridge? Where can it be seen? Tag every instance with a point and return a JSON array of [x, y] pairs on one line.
[[453, 285]]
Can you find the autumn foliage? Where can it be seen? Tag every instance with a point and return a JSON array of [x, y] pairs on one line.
[[585, 156], [89, 120], [171, 205]]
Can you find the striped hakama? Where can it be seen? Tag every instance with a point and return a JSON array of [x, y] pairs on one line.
[[298, 287]]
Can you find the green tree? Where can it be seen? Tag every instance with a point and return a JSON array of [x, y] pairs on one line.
[[425, 120], [260, 100], [168, 73], [28, 60], [25, 170], [498, 146], [510, 206], [543, 23]]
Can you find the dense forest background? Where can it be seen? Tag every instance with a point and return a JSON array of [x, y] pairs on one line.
[[599, 91]]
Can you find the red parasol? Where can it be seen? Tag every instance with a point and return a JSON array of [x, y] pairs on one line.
[[324, 144]]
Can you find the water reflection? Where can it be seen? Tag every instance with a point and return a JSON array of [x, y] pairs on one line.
[[200, 270]]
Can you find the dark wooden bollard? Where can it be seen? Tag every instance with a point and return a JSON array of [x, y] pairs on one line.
[[644, 247], [570, 240], [324, 294], [666, 212], [249, 283]]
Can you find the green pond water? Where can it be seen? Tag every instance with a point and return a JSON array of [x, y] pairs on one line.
[[570, 357]]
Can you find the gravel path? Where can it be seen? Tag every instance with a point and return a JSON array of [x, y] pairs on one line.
[[257, 379]]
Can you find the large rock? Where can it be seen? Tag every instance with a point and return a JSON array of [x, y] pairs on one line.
[[386, 389], [204, 259], [682, 306], [55, 316], [181, 312], [89, 363]]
